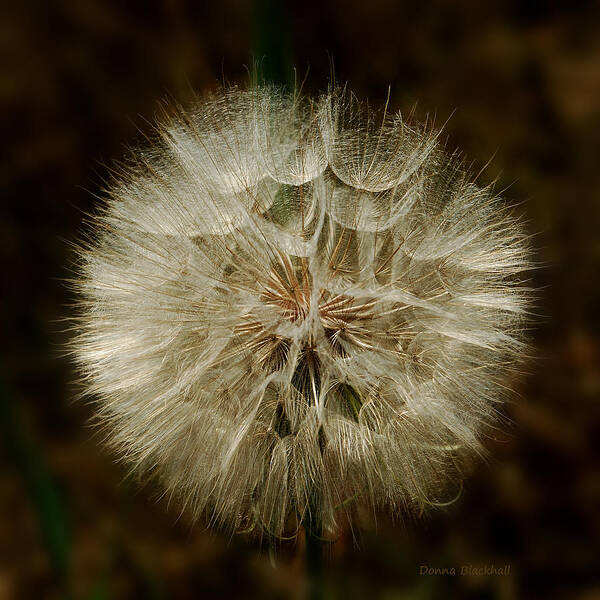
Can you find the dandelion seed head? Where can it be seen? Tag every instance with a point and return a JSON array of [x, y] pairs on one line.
[[293, 306]]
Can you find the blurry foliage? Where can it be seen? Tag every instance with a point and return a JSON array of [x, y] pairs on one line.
[[522, 83]]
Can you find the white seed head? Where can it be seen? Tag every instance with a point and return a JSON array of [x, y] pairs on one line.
[[293, 307]]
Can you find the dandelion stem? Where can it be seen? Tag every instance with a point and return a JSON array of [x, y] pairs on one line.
[[313, 531]]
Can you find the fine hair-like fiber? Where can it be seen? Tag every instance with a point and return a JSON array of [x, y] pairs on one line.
[[294, 309]]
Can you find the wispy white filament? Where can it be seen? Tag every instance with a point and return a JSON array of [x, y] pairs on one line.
[[292, 305]]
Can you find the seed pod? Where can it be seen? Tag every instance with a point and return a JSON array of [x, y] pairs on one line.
[[296, 308]]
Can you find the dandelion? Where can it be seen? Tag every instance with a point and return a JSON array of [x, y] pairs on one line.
[[294, 310]]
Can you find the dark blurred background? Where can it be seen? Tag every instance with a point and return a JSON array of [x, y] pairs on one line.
[[521, 82]]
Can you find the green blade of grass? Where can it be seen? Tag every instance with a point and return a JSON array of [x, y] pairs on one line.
[[47, 503]]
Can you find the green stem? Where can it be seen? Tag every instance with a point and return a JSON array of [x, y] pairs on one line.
[[313, 530], [272, 43]]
